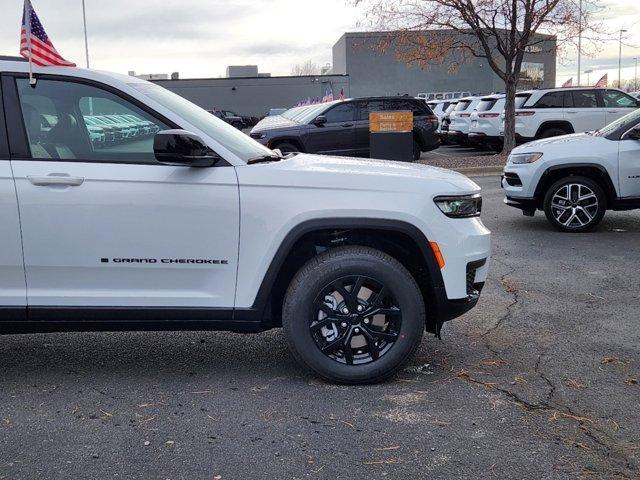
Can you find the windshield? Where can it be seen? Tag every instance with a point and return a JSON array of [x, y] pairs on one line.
[[243, 146], [313, 112], [625, 123], [294, 112], [521, 99], [486, 104], [462, 105]]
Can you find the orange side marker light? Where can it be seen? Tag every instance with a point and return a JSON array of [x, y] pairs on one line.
[[438, 254]]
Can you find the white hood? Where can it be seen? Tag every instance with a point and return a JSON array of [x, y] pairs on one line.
[[357, 174]]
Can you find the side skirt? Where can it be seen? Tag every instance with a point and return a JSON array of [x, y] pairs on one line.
[[106, 319]]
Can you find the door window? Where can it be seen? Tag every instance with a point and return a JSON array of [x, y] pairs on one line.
[[366, 107], [585, 99], [343, 112], [615, 99], [551, 100], [74, 121]]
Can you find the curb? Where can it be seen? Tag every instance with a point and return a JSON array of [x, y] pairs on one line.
[[480, 171]]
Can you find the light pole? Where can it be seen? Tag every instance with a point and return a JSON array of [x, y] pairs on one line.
[[588, 76], [635, 76], [579, 40], [620, 60]]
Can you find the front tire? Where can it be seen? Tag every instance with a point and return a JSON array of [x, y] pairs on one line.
[[575, 204], [286, 147], [553, 132], [353, 315]]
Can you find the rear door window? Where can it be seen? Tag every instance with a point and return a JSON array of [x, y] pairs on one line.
[[551, 100], [368, 106], [585, 99]]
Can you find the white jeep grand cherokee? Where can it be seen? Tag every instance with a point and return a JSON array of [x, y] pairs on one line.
[[559, 111], [576, 178], [198, 226]]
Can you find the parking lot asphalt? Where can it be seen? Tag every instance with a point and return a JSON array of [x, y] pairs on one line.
[[455, 151], [539, 381]]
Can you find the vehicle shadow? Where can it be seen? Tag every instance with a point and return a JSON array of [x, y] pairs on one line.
[[145, 354], [613, 222]]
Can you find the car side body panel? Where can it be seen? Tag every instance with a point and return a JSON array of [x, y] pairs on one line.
[[567, 151], [277, 197]]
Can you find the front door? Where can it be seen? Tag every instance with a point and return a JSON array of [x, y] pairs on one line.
[[586, 114], [337, 135], [13, 297], [629, 167], [617, 104], [103, 223]]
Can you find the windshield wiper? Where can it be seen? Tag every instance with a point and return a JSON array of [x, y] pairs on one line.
[[264, 158]]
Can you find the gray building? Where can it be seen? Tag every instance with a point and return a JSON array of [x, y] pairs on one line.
[[255, 95], [371, 59], [234, 71], [360, 68]]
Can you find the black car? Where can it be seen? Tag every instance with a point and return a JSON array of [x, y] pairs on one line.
[[342, 127], [229, 117]]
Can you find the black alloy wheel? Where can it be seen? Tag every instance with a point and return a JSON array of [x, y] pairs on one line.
[[353, 314], [355, 320]]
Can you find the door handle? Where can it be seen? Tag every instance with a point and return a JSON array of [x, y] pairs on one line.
[[571, 111], [612, 111], [347, 125], [55, 179]]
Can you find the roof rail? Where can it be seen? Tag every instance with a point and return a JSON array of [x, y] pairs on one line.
[[10, 58]]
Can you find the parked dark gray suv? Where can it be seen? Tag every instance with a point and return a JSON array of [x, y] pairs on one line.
[[342, 127]]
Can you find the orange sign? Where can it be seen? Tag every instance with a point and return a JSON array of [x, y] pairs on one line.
[[390, 122]]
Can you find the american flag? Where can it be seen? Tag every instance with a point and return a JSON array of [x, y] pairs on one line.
[[328, 95], [34, 42], [603, 82]]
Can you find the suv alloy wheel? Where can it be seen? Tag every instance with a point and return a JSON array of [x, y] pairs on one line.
[[353, 315], [575, 204]]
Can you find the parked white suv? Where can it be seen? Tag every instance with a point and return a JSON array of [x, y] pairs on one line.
[[575, 178], [560, 111], [460, 120], [201, 227], [439, 107], [486, 122]]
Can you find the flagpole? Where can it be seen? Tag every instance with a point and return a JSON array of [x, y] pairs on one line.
[[86, 42], [27, 32]]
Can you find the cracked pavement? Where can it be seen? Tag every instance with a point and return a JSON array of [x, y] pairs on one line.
[[540, 380]]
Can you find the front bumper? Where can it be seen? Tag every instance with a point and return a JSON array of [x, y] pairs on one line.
[[527, 205]]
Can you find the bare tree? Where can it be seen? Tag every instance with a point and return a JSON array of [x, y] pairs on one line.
[[307, 68], [426, 32]]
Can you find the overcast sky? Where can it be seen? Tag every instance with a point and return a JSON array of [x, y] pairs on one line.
[[199, 38]]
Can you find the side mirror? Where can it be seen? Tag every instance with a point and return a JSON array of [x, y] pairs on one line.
[[320, 120], [634, 134], [182, 148]]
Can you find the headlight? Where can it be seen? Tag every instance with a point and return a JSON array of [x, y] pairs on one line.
[[258, 135], [463, 206], [521, 158]]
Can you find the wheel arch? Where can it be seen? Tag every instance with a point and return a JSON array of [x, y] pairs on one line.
[[403, 241], [561, 124], [292, 140], [594, 171]]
